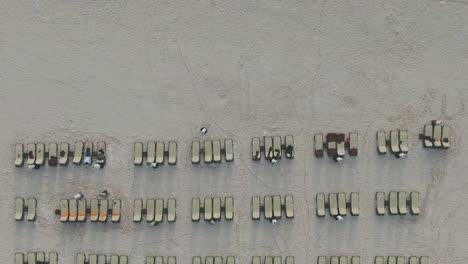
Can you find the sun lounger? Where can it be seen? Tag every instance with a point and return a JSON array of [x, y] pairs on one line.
[[289, 142], [40, 257], [219, 260], [101, 148], [391, 260], [277, 260], [400, 260], [138, 153], [19, 155], [277, 147], [172, 160], [320, 204], [289, 206], [80, 258], [195, 209], [31, 148], [437, 136], [150, 210], [116, 203], [255, 207], [380, 203], [208, 205], [354, 203], [428, 130], [53, 258], [268, 210], [103, 206], [402, 203], [149, 260], [445, 137], [53, 155], [81, 210], [393, 203], [159, 158], [322, 260], [340, 144], [269, 151], [230, 260], [342, 204], [355, 260], [277, 207], [394, 142], [334, 260], [318, 141], [123, 260], [381, 143], [216, 151], [196, 260], [89, 146], [413, 260], [229, 150], [114, 259], [256, 260], [208, 148], [331, 144], [73, 209], [333, 201], [19, 258], [209, 260], [93, 259], [353, 144], [19, 208], [343, 260], [40, 154], [256, 148], [158, 260], [64, 149], [78, 153], [414, 201], [379, 260], [289, 260], [424, 260], [137, 208], [404, 141], [159, 210], [229, 208], [31, 216], [102, 259], [32, 258], [171, 210], [94, 210], [216, 208], [268, 260], [171, 260], [195, 152]]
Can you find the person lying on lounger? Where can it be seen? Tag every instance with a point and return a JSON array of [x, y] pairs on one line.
[[87, 161]]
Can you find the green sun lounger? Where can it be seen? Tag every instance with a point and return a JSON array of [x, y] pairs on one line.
[[171, 260], [195, 152], [289, 206], [402, 203], [354, 203], [102, 259], [150, 206], [40, 154], [19, 155], [380, 203], [209, 260], [80, 258], [94, 210], [277, 213], [400, 260], [322, 260], [19, 209], [32, 258], [391, 260], [289, 260], [216, 151], [138, 157], [379, 260], [158, 260], [255, 207], [343, 260], [268, 260], [218, 260], [31, 214], [428, 136], [103, 206], [393, 203], [53, 258], [137, 208], [93, 259], [394, 141], [277, 260], [268, 211], [446, 137], [171, 210], [40, 257], [414, 202], [31, 152], [208, 148], [256, 260], [355, 260], [159, 158], [229, 150], [256, 154], [334, 260], [195, 209], [150, 260], [73, 210], [78, 153], [159, 210], [208, 205], [269, 151], [116, 204], [230, 260], [342, 204], [424, 260], [172, 160], [229, 208], [333, 201], [404, 141], [64, 149], [381, 143], [81, 210], [437, 136], [151, 153], [277, 147], [413, 260], [196, 260], [216, 208], [320, 204], [19, 258], [114, 259]]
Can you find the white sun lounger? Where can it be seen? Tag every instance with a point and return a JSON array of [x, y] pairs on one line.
[[355, 260], [19, 208], [171, 210], [354, 203], [229, 150], [195, 152], [340, 144], [138, 148], [229, 208], [414, 200], [269, 151], [289, 206], [277, 213], [31, 148], [216, 151], [394, 142], [404, 141], [413, 260], [208, 148], [446, 137], [40, 154], [393, 203], [353, 144], [268, 210], [333, 201], [208, 205], [73, 209], [137, 207], [322, 260], [159, 210], [256, 260], [402, 203], [428, 136], [256, 152], [103, 206], [438, 136], [277, 147], [172, 160], [64, 149], [342, 204], [289, 141], [116, 203], [94, 210], [32, 258], [159, 152], [101, 147], [19, 258], [150, 210], [381, 143], [255, 207], [81, 210], [320, 204], [196, 209], [19, 155], [78, 153], [424, 260], [53, 154], [380, 203], [31, 216], [379, 260], [230, 260], [318, 141], [53, 258], [216, 208]]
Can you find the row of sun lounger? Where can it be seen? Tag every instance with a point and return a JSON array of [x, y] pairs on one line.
[[338, 260], [213, 260], [272, 147], [436, 136], [272, 260], [398, 142], [272, 207], [72, 210], [397, 203], [154, 210], [21, 208], [100, 259], [156, 153], [160, 260], [336, 143], [36, 257], [402, 260], [212, 208], [37, 153], [337, 204], [212, 151]]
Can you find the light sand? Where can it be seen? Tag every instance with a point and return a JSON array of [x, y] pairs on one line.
[[122, 71]]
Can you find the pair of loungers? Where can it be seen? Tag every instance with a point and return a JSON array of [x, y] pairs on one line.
[[336, 144], [338, 260], [401, 260], [436, 136], [29, 207], [100, 259], [272, 260], [76, 210], [160, 260], [212, 208], [36, 257], [337, 204], [155, 153], [272, 207], [212, 151], [213, 260], [272, 147], [398, 142], [397, 203], [154, 210]]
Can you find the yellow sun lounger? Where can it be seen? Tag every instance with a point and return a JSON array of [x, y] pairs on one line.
[[355, 260], [138, 148], [230, 260], [53, 258], [379, 260], [381, 143], [428, 136], [102, 259], [277, 213], [229, 150], [380, 203], [318, 141], [268, 260], [32, 258], [424, 260], [53, 155], [159, 210], [116, 203], [334, 260], [19, 155], [289, 260], [400, 260], [289, 141], [101, 148], [137, 208], [289, 206], [256, 152], [413, 260], [31, 216], [150, 260], [256, 260], [391, 260], [277, 147], [19, 258], [333, 201], [322, 260], [150, 206], [19, 208], [354, 203], [31, 148], [414, 201], [94, 210], [64, 149], [269, 151], [196, 260], [446, 137], [216, 151], [171, 260], [342, 204], [437, 136], [40, 154], [229, 208], [219, 260], [40, 257], [216, 208], [277, 260], [103, 206], [268, 210], [78, 153], [171, 210], [402, 203], [123, 260], [255, 207], [208, 205], [93, 259], [394, 142], [320, 204], [114, 259], [195, 152], [208, 148], [195, 209], [159, 152], [172, 160], [393, 203], [343, 260], [404, 141], [73, 209], [81, 210]]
